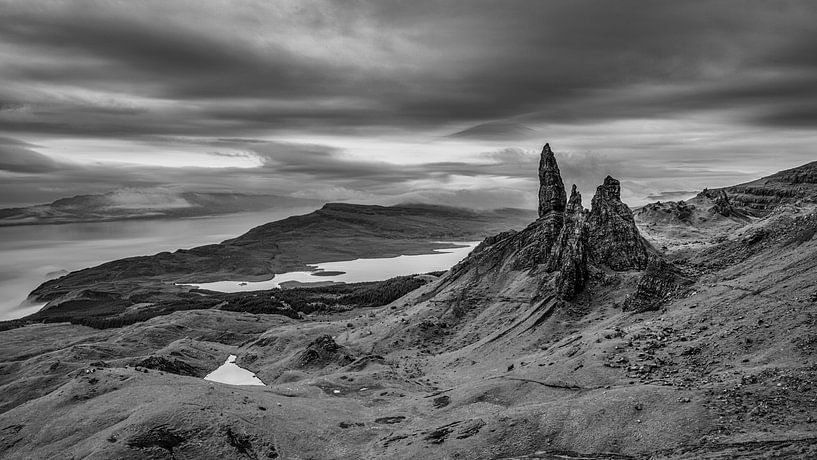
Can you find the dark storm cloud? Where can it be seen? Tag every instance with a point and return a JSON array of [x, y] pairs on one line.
[[448, 62], [223, 78]]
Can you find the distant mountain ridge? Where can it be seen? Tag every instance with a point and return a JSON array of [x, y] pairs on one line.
[[759, 196], [145, 204], [335, 232]]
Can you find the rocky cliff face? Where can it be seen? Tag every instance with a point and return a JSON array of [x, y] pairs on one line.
[[569, 256], [659, 282], [613, 237]]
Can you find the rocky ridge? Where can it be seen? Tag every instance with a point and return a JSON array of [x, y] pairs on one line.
[[757, 198]]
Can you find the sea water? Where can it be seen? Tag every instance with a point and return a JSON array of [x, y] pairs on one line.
[[32, 254]]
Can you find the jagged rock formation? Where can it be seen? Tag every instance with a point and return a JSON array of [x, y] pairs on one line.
[[533, 245], [552, 196], [660, 280], [614, 239], [722, 205], [569, 254], [676, 212], [566, 237]]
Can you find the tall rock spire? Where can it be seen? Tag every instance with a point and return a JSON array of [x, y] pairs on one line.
[[552, 195]]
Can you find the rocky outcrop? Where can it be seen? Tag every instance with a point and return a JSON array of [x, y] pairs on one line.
[[613, 237], [552, 196], [569, 255], [565, 239], [537, 241], [722, 205], [322, 352], [669, 212], [174, 366], [659, 282]]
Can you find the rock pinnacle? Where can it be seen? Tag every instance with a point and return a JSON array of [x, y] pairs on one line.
[[552, 197]]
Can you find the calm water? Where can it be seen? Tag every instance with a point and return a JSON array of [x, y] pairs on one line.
[[32, 254], [230, 373], [358, 270]]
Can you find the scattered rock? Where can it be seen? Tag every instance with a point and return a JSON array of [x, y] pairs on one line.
[[470, 428], [439, 435], [346, 425], [754, 237], [390, 420], [441, 401]]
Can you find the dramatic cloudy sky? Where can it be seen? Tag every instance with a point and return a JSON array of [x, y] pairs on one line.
[[390, 101]]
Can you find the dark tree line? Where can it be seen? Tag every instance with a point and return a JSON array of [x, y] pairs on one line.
[[113, 312]]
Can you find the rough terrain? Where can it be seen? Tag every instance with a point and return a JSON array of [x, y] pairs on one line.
[[684, 331]]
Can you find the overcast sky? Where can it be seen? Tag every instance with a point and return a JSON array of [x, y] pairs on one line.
[[392, 101]]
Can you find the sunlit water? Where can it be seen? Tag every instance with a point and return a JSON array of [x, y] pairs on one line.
[[32, 254], [230, 373], [356, 271]]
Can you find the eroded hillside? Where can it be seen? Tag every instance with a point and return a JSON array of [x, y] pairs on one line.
[[588, 334]]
